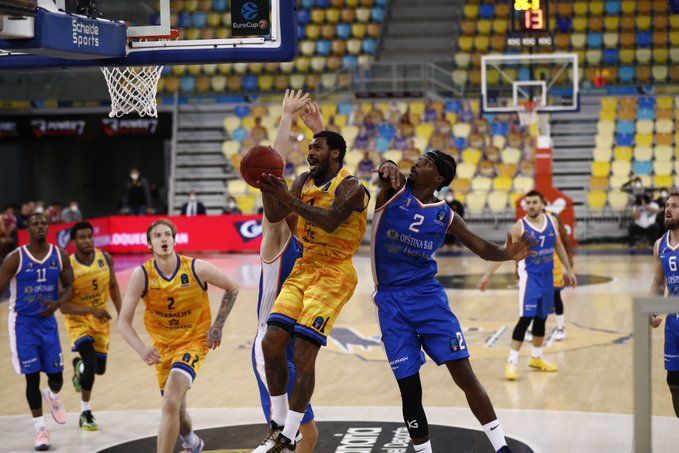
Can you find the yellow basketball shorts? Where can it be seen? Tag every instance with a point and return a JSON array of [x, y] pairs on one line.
[[83, 328], [313, 296], [186, 359], [558, 273]]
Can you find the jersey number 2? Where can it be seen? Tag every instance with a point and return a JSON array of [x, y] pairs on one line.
[[418, 220], [170, 303]]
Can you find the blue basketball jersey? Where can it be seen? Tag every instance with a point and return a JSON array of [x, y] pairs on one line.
[[670, 260], [543, 262], [274, 273], [405, 236], [35, 282]]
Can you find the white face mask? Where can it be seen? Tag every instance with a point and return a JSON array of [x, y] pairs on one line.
[[663, 194], [134, 176], [449, 198], [232, 205], [74, 205]]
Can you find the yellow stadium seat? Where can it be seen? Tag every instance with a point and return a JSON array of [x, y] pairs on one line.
[[662, 153], [471, 11], [662, 168], [394, 155], [596, 200], [510, 155], [629, 7], [497, 201], [500, 26], [503, 183], [616, 182], [349, 133], [476, 202], [660, 181], [643, 55], [236, 187], [459, 76], [612, 23], [482, 183], [462, 59], [483, 26], [601, 169], [606, 127], [462, 130], [471, 156], [620, 168], [481, 43], [603, 154], [580, 24], [660, 55], [622, 153], [643, 153], [593, 57], [643, 22], [578, 40], [609, 103], [514, 199], [230, 147], [604, 140], [618, 200], [246, 203], [597, 183], [627, 56], [231, 123], [523, 184], [218, 83], [466, 170], [643, 139], [644, 126], [465, 43]]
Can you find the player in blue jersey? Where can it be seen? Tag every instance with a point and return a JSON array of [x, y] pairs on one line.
[[410, 224], [536, 281], [666, 282], [33, 273], [278, 253]]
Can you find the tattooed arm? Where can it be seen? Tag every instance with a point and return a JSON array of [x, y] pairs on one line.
[[208, 273]]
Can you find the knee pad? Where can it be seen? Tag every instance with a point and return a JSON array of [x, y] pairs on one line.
[[520, 330], [101, 365], [539, 326], [413, 412], [89, 358]]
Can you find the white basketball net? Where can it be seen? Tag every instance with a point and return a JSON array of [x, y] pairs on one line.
[[133, 89]]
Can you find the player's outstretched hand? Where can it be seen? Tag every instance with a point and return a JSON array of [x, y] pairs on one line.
[[655, 320], [293, 102], [389, 171], [274, 186], [521, 249], [483, 283], [150, 355], [214, 337], [101, 314], [50, 306], [312, 117]]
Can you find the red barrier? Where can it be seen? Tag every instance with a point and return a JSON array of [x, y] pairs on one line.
[[127, 234]]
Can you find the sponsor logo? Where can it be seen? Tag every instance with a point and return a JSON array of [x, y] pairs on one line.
[[115, 126], [101, 263], [184, 278], [63, 238], [454, 345], [8, 129], [441, 216], [393, 235], [249, 11], [84, 34], [140, 238], [44, 128], [249, 230], [318, 323]]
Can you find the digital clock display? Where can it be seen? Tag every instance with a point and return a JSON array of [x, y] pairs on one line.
[[530, 16]]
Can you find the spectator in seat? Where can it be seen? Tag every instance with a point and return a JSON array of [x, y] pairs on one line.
[[72, 213], [54, 212], [400, 142], [138, 194], [27, 210], [365, 167], [193, 207], [644, 213], [232, 206], [362, 140]]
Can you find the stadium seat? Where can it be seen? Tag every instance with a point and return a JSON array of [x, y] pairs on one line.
[[642, 153], [619, 168], [662, 168], [601, 169], [660, 181], [497, 201], [618, 200], [476, 202], [523, 184], [598, 183], [596, 200], [602, 154], [643, 167]]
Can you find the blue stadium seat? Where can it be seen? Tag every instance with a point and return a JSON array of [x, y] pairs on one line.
[[647, 102], [642, 167], [377, 14], [303, 16], [344, 31], [460, 142], [612, 7], [626, 127], [301, 32], [524, 73], [167, 70], [644, 38], [349, 61], [487, 11], [383, 3], [370, 46], [386, 130], [220, 5], [454, 106], [188, 84], [323, 4], [626, 73], [646, 114], [323, 47], [250, 82], [500, 128], [564, 24], [242, 111], [308, 4], [624, 139], [595, 40], [199, 19], [239, 134], [611, 56], [674, 6], [382, 144], [185, 20], [345, 108]]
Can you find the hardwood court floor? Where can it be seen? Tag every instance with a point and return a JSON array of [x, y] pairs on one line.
[[595, 362]]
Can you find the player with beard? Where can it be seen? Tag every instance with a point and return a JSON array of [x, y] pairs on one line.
[[536, 281], [409, 226], [666, 282], [34, 272], [331, 206], [177, 318]]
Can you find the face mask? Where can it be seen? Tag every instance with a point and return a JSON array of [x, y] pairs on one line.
[[663, 194], [74, 206], [192, 198], [638, 184], [134, 176], [231, 205], [449, 198], [39, 210]]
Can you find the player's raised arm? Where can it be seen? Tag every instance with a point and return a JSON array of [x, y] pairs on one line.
[[569, 275], [350, 196], [390, 179], [292, 104], [208, 273], [513, 236], [312, 117], [135, 291], [516, 248], [658, 283], [114, 289]]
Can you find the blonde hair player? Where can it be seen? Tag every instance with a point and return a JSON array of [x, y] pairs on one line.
[[177, 317], [279, 252], [536, 281]]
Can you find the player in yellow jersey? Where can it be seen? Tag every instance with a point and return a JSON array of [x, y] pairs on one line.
[[331, 204], [88, 328], [177, 318], [559, 283]]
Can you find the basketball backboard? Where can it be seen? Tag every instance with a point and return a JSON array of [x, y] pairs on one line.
[[547, 81], [231, 31]]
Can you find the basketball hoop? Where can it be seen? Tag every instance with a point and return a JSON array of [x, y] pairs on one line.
[[134, 88], [528, 114]]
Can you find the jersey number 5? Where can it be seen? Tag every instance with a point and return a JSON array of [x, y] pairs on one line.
[[673, 263], [418, 220]]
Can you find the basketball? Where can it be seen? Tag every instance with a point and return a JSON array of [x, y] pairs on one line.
[[259, 160]]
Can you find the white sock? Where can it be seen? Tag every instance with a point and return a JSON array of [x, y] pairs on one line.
[[53, 395], [536, 352], [513, 357], [39, 423], [279, 409], [292, 422], [423, 448], [495, 434], [190, 439], [560, 321], [85, 406]]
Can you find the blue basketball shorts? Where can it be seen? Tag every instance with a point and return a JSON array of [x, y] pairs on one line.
[[416, 319], [258, 366], [672, 342], [536, 294], [35, 346]]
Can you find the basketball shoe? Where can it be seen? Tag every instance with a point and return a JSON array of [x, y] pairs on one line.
[[87, 422], [510, 372], [270, 439], [282, 445], [58, 410], [196, 448], [560, 334], [42, 440], [541, 365]]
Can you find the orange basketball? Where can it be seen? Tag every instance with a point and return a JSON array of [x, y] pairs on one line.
[[258, 160]]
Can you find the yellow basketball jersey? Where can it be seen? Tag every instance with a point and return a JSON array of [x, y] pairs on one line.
[[342, 243], [177, 307], [91, 281]]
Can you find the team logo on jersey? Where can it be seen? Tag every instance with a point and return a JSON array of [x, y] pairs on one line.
[[454, 345], [30, 266], [53, 263], [441, 216], [186, 357], [320, 323], [101, 263], [184, 279], [393, 235]]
